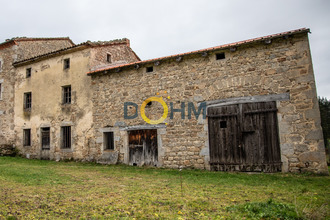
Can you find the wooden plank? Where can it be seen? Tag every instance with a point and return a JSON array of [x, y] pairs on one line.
[[143, 148], [248, 142], [249, 99]]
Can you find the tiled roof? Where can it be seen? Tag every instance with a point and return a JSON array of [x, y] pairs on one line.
[[7, 44], [302, 30], [71, 49]]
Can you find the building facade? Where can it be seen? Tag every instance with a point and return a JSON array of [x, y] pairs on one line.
[[258, 96], [53, 107], [246, 106], [12, 51]]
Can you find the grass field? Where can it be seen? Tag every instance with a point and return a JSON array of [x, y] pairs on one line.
[[63, 190]]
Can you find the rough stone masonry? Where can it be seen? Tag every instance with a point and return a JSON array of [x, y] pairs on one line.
[[276, 68], [246, 106]]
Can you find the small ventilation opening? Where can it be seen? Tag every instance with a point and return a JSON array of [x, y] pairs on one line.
[[28, 72], [223, 124], [149, 103], [66, 64], [220, 56], [134, 164], [109, 58], [150, 69]]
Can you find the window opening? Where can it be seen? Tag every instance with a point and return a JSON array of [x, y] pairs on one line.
[[66, 136], [108, 141], [223, 124], [27, 137], [150, 69], [66, 94], [45, 138], [220, 56], [66, 64], [27, 101], [28, 72], [0, 91], [109, 58]]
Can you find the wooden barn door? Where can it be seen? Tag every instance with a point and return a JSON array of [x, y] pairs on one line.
[[244, 137], [143, 148], [224, 138]]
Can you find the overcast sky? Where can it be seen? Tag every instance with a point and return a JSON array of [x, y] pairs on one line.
[[158, 28]]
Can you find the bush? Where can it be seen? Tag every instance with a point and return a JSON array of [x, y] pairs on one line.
[[265, 210]]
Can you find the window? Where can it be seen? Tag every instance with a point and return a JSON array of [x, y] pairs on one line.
[[223, 124], [149, 69], [66, 64], [0, 91], [28, 72], [66, 94], [26, 137], [45, 138], [220, 56], [109, 58], [27, 101], [108, 141], [66, 137]]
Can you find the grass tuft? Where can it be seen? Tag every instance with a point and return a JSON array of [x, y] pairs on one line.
[[265, 210]]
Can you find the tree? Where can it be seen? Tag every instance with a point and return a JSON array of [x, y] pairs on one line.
[[325, 119]]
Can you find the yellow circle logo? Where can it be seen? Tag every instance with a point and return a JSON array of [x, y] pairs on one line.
[[156, 99]]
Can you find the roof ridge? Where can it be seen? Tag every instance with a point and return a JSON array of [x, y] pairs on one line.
[[102, 43], [39, 38]]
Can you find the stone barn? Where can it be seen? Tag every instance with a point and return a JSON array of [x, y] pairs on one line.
[[14, 50], [245, 106]]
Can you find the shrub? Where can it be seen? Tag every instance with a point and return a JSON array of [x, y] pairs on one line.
[[265, 210]]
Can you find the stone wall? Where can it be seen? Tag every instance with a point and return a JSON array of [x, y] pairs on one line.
[[254, 69], [11, 52], [120, 54], [28, 48], [7, 81], [48, 111]]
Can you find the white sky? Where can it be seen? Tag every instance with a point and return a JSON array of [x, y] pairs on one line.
[[159, 28]]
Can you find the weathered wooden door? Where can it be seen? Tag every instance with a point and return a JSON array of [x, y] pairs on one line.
[[143, 148], [45, 143], [244, 137]]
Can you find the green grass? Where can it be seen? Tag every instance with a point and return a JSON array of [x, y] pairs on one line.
[[63, 190]]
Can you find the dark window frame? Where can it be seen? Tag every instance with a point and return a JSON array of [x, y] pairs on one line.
[[108, 140], [66, 94], [27, 137], [27, 101], [66, 134], [45, 138], [28, 72], [66, 64]]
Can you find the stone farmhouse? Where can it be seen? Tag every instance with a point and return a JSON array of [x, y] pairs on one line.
[[12, 51], [53, 104], [245, 106]]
